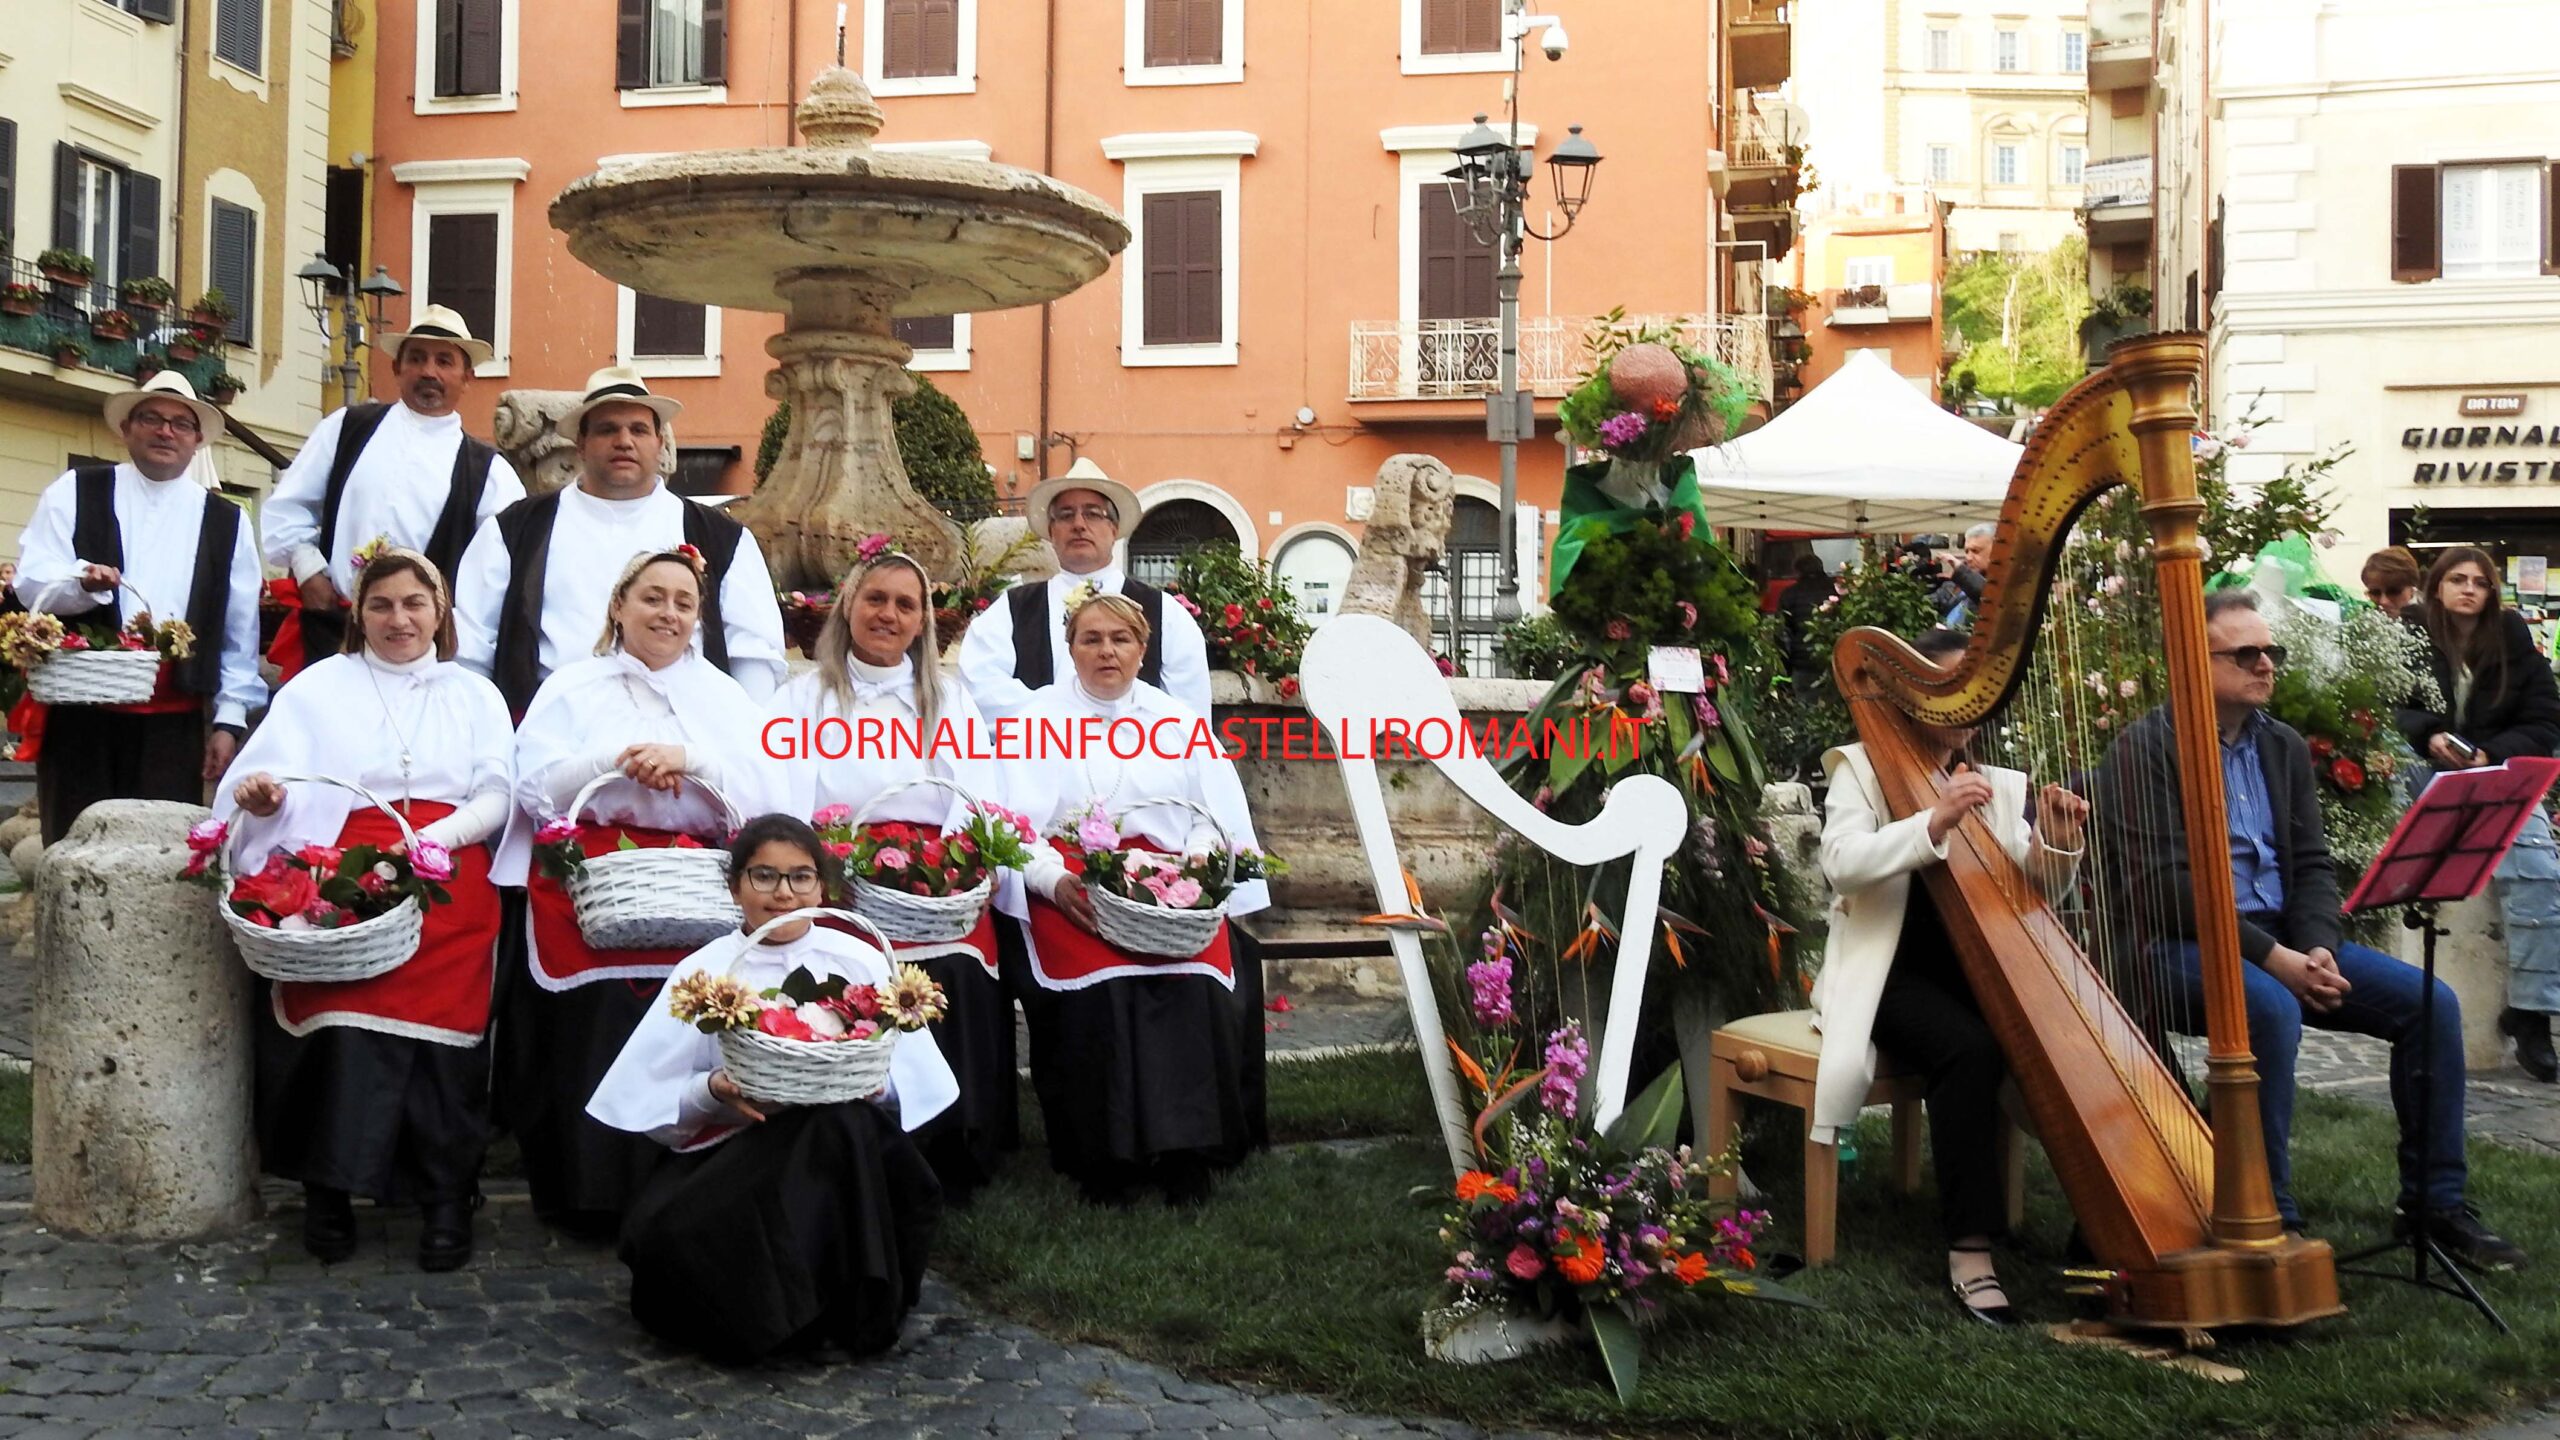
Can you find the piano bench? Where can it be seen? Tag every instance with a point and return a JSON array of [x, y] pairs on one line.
[[1772, 1057]]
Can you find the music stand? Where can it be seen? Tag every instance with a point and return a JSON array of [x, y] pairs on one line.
[[2446, 847]]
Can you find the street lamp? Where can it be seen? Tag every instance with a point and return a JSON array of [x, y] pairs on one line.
[[1494, 173], [357, 314]]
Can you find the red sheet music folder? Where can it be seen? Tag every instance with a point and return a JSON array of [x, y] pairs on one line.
[[2450, 841]]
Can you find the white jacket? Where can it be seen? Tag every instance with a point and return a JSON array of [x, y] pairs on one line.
[[1869, 862]]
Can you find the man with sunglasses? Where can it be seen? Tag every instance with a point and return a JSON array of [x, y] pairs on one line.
[[2302, 970], [107, 542]]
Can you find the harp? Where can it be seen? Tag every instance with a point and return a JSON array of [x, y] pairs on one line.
[[2181, 1212]]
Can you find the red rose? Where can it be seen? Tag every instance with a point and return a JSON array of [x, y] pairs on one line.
[[1264, 602], [2348, 774], [863, 1001], [1234, 613], [2321, 749], [323, 858], [784, 1023], [261, 919], [1288, 687], [293, 893]]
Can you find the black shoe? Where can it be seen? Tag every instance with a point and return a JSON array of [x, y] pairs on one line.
[[2465, 1239], [1999, 1317], [445, 1242], [2531, 1030], [328, 1224], [1186, 1181]]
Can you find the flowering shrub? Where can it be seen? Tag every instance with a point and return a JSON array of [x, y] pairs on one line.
[[322, 887], [1246, 613], [1201, 880], [805, 1007], [1661, 582], [921, 860], [560, 851]]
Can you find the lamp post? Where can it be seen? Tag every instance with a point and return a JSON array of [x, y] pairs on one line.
[[357, 313], [1495, 172]]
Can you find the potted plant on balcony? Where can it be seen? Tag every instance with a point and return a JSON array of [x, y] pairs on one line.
[[21, 299], [182, 348], [148, 297], [111, 326], [224, 387], [68, 351], [210, 316], [2124, 310], [146, 365], [65, 266]]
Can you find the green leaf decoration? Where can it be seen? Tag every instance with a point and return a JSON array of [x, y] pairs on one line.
[[800, 987], [1620, 1349], [623, 841], [1652, 1119], [1754, 1288]]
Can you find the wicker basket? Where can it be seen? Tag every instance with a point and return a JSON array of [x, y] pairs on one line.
[[353, 952], [668, 898], [1158, 929], [97, 677], [807, 1072], [919, 919]]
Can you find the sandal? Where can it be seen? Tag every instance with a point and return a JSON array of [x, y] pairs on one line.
[[2000, 1316]]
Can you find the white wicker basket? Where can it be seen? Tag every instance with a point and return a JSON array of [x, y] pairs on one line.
[[1158, 929], [667, 898], [354, 952], [776, 1071], [97, 677], [918, 919]]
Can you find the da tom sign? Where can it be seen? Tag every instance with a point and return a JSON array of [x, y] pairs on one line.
[[2504, 452]]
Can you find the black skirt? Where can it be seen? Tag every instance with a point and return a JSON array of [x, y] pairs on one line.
[[397, 1120], [553, 1050], [812, 1226], [967, 1142]]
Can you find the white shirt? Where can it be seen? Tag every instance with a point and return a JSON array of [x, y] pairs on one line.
[[397, 488], [869, 766], [986, 651], [160, 521], [592, 539]]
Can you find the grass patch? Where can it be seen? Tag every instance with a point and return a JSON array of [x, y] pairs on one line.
[[17, 1117], [1310, 1268]]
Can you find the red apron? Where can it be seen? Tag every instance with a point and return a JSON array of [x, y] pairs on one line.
[[558, 951], [442, 993], [1065, 957]]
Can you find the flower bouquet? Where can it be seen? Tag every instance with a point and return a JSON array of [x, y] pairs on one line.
[[639, 897], [324, 912], [94, 662], [807, 1041], [918, 884], [1158, 904], [983, 577]]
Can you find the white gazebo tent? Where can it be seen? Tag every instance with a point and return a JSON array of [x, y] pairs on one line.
[[1862, 452]]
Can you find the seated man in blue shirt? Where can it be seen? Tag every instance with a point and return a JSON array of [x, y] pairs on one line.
[[2301, 969]]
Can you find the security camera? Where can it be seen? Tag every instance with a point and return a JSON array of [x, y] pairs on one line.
[[1553, 41]]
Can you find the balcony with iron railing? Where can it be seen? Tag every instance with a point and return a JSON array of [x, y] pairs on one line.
[[1461, 359], [1760, 44], [85, 330]]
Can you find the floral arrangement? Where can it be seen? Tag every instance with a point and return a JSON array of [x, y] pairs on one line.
[[368, 552], [1246, 613], [322, 887], [1560, 1219], [1659, 582], [918, 860], [29, 639], [1201, 880], [805, 1007], [1650, 397], [2339, 686], [983, 577], [559, 847]]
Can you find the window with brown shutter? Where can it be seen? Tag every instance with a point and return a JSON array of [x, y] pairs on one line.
[[921, 38], [669, 43], [462, 269], [1461, 27], [235, 266], [8, 189], [1181, 246], [2551, 218], [2417, 241], [927, 332], [467, 47], [1186, 32], [667, 329], [1457, 268]]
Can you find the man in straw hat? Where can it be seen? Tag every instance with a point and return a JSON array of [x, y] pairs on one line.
[[404, 472], [538, 577], [107, 542], [1019, 643]]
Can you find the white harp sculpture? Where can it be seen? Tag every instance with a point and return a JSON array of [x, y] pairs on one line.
[[1365, 676]]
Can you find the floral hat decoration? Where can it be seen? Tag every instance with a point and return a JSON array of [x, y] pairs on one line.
[[370, 551], [1084, 593]]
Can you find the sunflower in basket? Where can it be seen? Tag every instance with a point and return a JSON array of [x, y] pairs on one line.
[[807, 1007]]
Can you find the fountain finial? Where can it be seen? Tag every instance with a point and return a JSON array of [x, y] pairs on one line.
[[839, 113]]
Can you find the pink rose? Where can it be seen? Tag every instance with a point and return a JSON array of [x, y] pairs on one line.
[[1097, 832], [890, 857], [1180, 894], [832, 815], [431, 860], [1525, 1263], [207, 836], [553, 832]]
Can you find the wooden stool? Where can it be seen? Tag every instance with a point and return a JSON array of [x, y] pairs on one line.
[[1773, 1057]]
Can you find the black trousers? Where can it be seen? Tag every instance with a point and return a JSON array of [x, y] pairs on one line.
[[92, 754], [1928, 1022]]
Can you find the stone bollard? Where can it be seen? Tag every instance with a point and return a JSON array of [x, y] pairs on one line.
[[2471, 959], [142, 1057]]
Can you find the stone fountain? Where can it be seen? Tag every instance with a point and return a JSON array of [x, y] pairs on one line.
[[843, 239]]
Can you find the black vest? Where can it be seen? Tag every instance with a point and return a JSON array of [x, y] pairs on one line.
[[1034, 666], [461, 515], [97, 537], [526, 527]]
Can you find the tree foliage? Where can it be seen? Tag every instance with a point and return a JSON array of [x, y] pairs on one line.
[[2017, 318], [935, 439]]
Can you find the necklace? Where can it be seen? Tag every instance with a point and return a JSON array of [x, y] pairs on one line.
[[393, 720]]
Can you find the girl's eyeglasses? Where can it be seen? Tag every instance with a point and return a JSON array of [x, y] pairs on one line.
[[764, 879]]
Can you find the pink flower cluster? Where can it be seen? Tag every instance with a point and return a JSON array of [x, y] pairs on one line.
[[1568, 1060]]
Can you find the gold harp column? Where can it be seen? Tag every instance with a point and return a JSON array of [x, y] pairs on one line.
[[2162, 374]]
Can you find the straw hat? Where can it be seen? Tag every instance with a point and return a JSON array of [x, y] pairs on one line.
[[438, 322], [166, 385], [616, 385], [1083, 475]]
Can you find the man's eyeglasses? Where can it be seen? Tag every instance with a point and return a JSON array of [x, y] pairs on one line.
[[764, 879], [174, 424], [1090, 514], [2248, 656]]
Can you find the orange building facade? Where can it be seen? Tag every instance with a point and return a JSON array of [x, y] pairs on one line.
[[1300, 300], [1876, 270]]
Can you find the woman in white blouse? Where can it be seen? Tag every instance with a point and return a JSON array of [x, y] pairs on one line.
[[878, 673], [773, 1228], [1140, 1061], [379, 1087], [664, 723]]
